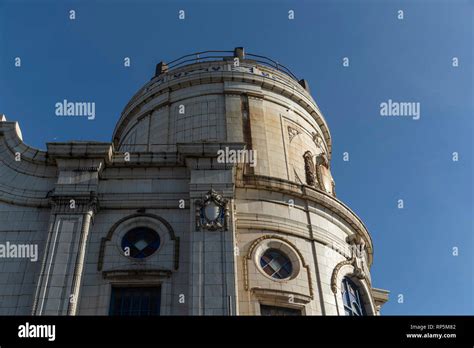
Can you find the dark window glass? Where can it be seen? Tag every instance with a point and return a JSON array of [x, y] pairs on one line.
[[353, 305], [278, 311], [135, 301], [276, 264], [140, 242]]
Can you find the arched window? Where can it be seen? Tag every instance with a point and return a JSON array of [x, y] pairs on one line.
[[352, 299]]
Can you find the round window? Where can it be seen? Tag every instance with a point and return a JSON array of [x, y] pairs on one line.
[[140, 242], [276, 264]]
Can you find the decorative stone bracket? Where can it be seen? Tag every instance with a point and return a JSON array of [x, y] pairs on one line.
[[75, 204], [319, 175], [357, 260]]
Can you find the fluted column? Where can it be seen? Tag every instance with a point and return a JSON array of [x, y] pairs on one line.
[[59, 284]]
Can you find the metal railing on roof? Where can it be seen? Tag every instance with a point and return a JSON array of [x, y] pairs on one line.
[[208, 56]]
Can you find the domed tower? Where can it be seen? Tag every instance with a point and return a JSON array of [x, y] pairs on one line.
[[215, 198], [267, 233]]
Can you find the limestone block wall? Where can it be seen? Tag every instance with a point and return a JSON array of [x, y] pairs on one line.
[[194, 114], [107, 265], [133, 197], [26, 177], [313, 238], [203, 119], [18, 276], [281, 135], [280, 130], [208, 102]]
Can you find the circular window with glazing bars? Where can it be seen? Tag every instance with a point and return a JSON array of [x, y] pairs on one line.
[[140, 242], [276, 264]]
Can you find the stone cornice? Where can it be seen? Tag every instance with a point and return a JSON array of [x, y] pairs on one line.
[[182, 151], [23, 197], [380, 296], [281, 296], [311, 194], [139, 200], [204, 155], [13, 138], [20, 177], [82, 204], [80, 150], [203, 73], [12, 143], [145, 159], [208, 149], [127, 274]]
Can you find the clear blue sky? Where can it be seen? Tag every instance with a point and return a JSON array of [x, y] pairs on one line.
[[390, 158]]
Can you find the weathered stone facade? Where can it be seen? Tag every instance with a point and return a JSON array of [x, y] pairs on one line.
[[77, 200]]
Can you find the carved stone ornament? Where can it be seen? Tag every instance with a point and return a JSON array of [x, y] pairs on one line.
[[324, 176], [212, 212], [292, 132], [309, 168], [318, 140], [357, 260], [357, 246]]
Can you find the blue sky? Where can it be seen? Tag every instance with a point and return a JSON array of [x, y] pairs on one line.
[[394, 158]]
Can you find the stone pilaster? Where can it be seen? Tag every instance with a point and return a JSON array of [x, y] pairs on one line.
[[74, 203], [213, 277], [61, 272]]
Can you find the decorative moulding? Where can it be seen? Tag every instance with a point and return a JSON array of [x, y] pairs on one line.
[[212, 212]]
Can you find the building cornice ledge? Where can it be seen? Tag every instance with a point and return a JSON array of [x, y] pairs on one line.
[[312, 194], [10, 133], [81, 150]]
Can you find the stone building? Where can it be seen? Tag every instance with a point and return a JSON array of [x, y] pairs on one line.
[[215, 197]]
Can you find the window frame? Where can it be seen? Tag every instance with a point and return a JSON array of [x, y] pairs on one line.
[[145, 227], [115, 289], [351, 295], [281, 254]]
